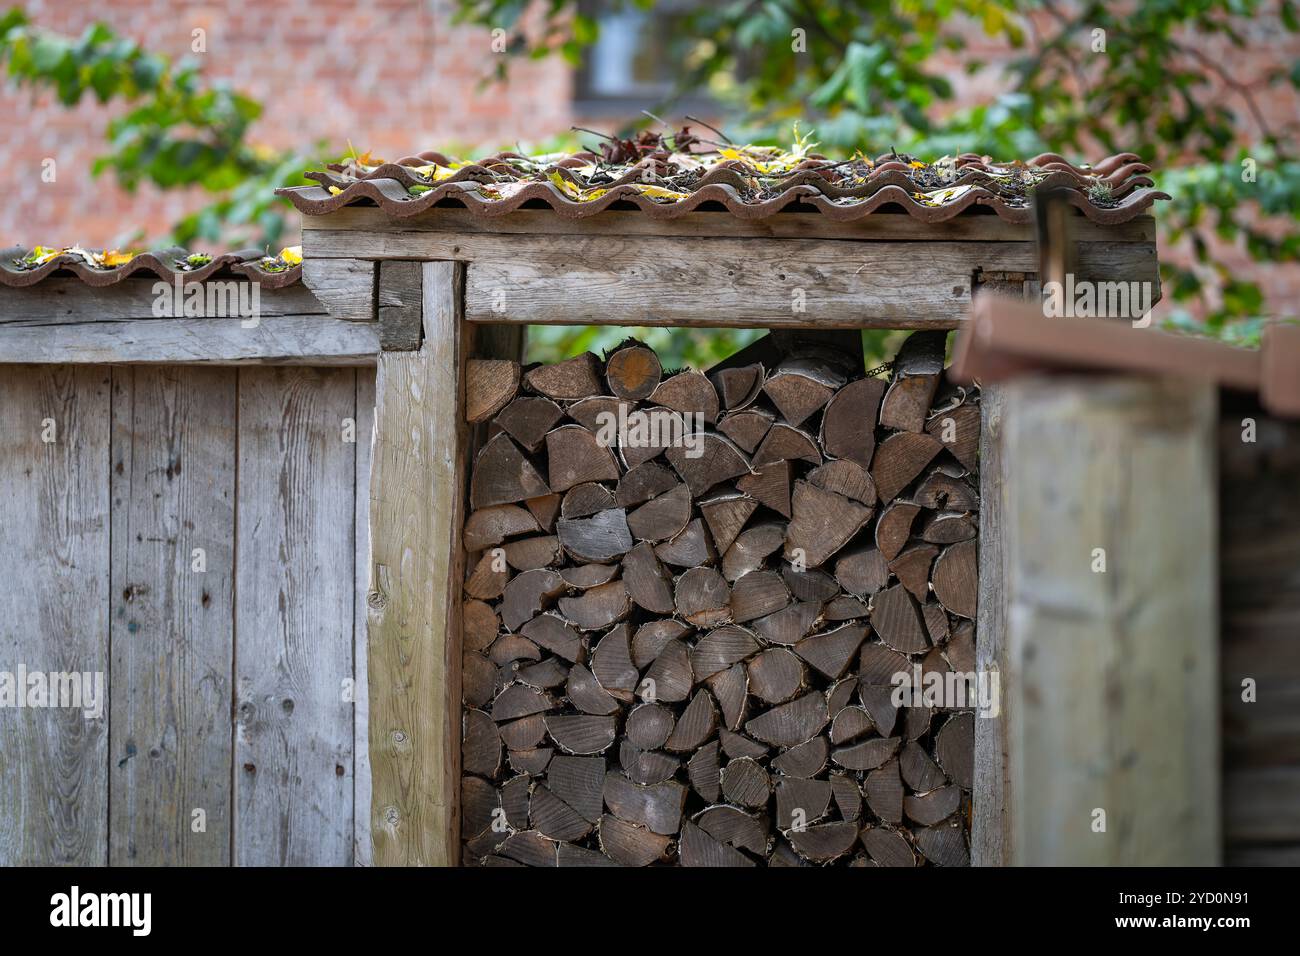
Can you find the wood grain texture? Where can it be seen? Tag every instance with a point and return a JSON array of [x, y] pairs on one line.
[[784, 283], [284, 340], [345, 287], [401, 304], [361, 783], [1108, 674], [294, 618], [417, 471], [54, 555], [898, 227], [69, 301], [172, 623]]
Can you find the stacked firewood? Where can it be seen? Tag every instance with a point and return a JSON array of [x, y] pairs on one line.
[[680, 647]]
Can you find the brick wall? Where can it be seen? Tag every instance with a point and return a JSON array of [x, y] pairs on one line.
[[393, 76], [390, 75]]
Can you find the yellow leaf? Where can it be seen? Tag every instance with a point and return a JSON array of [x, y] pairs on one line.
[[916, 165], [659, 192], [334, 190], [365, 159], [291, 254], [112, 258]]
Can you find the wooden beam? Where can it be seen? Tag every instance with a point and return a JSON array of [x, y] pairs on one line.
[[284, 340], [1110, 675], [401, 304], [413, 634], [880, 226], [714, 282], [56, 300], [346, 287]]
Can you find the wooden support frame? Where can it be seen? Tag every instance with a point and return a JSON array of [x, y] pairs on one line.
[[422, 446]]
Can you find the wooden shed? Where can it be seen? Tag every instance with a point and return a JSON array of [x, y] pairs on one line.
[[413, 273]]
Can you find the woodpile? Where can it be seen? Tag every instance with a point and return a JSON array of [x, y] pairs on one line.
[[679, 643]]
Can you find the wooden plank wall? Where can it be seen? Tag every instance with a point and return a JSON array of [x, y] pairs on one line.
[[192, 534], [1259, 578]]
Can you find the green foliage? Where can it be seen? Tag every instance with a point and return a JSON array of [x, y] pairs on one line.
[[873, 74], [179, 131]]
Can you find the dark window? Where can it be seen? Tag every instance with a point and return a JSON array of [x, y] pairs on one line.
[[638, 59]]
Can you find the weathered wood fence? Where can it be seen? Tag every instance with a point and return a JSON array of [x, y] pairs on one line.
[[192, 534]]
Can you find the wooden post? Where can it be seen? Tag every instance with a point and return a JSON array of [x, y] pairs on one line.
[[1106, 496], [421, 451]]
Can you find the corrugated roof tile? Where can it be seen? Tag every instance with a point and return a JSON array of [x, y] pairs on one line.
[[25, 266]]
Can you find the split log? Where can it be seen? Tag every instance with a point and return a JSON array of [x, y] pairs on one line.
[[532, 554], [823, 523], [576, 378], [502, 475], [825, 841], [718, 460], [628, 844], [699, 849], [652, 637], [721, 648], [528, 419], [649, 726], [899, 459], [691, 548], [790, 724], [576, 457], [959, 431], [884, 792], [730, 688], [845, 478], [648, 584], [658, 808], [696, 724], [867, 755], [545, 508], [527, 595], [862, 571], [479, 625], [646, 767], [734, 827], [919, 772], [490, 384], [633, 371], [747, 428], [745, 783], [917, 370], [800, 802], [552, 817], [736, 745], [688, 391], [954, 748], [849, 724], [769, 485], [669, 678], [956, 578], [726, 513], [801, 386], [597, 607], [842, 432], [894, 527], [786, 443], [556, 635], [583, 576], [912, 568], [751, 548], [758, 594], [579, 782], [488, 527], [586, 499], [790, 624], [776, 675], [703, 598], [896, 618], [739, 386], [943, 845], [942, 492], [481, 748], [647, 480], [830, 653], [662, 518], [887, 847], [611, 663], [602, 537], [704, 772], [804, 760], [933, 807], [524, 733], [586, 694], [580, 734], [847, 796]]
